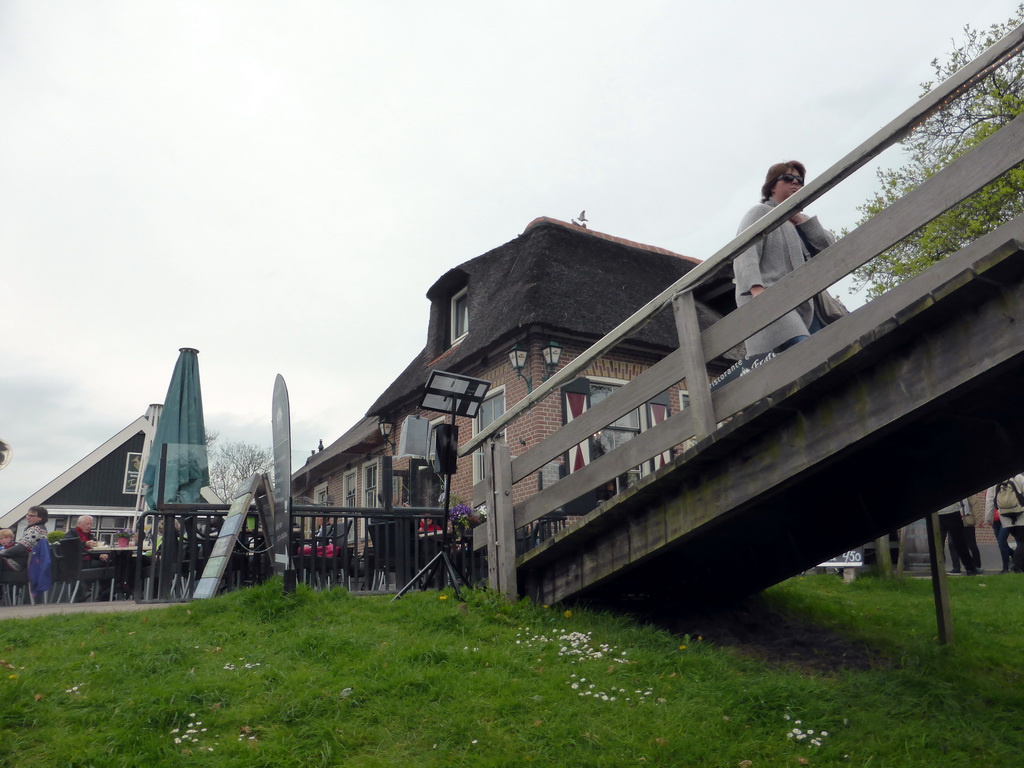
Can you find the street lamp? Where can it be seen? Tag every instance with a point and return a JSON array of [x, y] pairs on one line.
[[387, 428], [552, 354]]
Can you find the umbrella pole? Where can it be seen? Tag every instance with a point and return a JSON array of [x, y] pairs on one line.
[[162, 475]]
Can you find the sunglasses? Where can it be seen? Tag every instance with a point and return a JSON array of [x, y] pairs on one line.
[[789, 178]]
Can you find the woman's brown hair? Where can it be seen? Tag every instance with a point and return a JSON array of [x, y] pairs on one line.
[[777, 170]]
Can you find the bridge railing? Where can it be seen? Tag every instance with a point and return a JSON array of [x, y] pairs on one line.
[[999, 153]]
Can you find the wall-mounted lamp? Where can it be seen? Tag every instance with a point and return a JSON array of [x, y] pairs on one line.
[[387, 427], [551, 352]]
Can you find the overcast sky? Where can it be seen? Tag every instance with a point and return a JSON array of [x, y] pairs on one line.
[[277, 184]]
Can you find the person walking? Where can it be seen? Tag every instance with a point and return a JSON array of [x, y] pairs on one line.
[[952, 525], [970, 533], [776, 255], [1008, 498]]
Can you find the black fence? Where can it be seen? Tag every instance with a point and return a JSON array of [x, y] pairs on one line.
[[171, 548], [366, 551], [376, 551]]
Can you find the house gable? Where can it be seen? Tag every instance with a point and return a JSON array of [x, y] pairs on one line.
[[97, 480]]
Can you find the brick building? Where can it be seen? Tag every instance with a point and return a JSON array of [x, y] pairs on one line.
[[556, 288]]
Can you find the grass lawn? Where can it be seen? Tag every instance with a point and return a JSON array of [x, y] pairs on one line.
[[255, 678]]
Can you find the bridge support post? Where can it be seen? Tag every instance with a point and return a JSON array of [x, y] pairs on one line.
[[939, 586], [883, 557], [501, 528], [695, 370]]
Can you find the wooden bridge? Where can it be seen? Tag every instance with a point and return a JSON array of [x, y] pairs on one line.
[[905, 405]]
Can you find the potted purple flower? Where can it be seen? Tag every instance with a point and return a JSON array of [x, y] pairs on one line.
[[462, 518]]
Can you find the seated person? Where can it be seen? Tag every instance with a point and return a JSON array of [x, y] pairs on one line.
[[15, 557], [173, 541], [429, 525], [83, 529]]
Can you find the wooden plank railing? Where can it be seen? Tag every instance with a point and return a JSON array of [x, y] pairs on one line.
[[999, 153], [991, 59]]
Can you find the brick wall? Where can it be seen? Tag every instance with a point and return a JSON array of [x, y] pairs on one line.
[[540, 422]]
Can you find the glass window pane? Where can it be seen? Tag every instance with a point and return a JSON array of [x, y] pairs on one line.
[[460, 314], [370, 486], [599, 392], [490, 409], [351, 500]]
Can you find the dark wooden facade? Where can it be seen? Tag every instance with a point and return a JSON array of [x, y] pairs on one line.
[[104, 484]]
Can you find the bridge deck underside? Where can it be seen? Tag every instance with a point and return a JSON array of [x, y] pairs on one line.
[[925, 411]]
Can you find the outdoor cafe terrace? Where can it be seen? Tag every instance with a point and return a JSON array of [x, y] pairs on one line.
[[378, 550]]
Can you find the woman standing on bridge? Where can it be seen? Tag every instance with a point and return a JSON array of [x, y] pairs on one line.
[[776, 255]]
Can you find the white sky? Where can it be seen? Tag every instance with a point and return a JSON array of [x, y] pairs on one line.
[[278, 183]]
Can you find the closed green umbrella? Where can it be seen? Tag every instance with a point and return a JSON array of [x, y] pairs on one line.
[[182, 430]]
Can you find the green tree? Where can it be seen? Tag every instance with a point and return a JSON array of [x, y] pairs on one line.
[[963, 123]]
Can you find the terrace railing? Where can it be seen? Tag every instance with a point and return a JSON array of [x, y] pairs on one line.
[[378, 549], [172, 547]]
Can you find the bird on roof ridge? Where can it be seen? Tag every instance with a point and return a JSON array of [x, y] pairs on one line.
[[580, 221]]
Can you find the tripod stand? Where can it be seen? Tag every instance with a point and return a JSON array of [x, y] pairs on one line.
[[438, 560], [442, 557]]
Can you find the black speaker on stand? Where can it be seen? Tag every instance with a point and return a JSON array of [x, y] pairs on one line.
[[456, 395]]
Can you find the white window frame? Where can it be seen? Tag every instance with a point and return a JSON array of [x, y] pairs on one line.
[[350, 489], [454, 315], [370, 501], [479, 465], [616, 384], [684, 399], [320, 494], [350, 498], [642, 416], [641, 422]]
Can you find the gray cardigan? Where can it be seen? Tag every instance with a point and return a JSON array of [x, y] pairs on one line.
[[766, 262]]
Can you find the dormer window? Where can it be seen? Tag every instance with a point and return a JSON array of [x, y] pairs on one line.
[[460, 315]]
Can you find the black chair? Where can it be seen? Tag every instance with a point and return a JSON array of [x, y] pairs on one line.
[[84, 581], [67, 560], [390, 559], [65, 574], [379, 557], [72, 554], [193, 547], [168, 574], [250, 559], [330, 561], [13, 586], [17, 586]]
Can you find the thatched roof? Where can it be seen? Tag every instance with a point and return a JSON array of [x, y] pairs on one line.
[[562, 277], [362, 438]]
